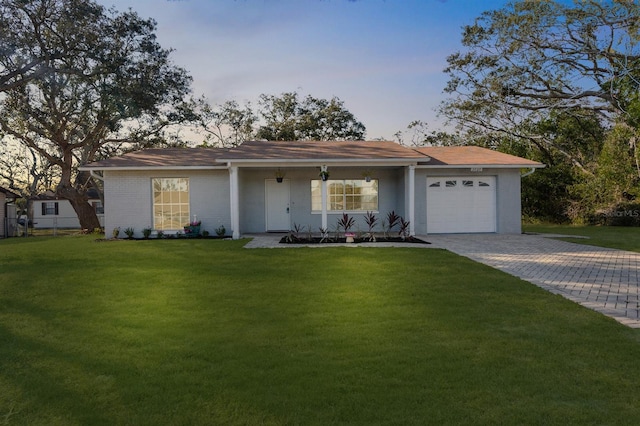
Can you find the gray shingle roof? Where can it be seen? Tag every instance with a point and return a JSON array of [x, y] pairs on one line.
[[162, 158], [321, 150], [310, 151]]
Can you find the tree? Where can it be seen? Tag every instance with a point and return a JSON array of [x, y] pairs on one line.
[[24, 170], [101, 81], [226, 126], [533, 57], [418, 134], [22, 57], [283, 117], [287, 118], [541, 55]]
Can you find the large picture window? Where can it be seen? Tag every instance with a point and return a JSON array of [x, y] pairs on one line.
[[170, 203], [346, 195]]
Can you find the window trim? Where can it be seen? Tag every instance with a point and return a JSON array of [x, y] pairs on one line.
[[344, 197], [153, 204], [54, 208]]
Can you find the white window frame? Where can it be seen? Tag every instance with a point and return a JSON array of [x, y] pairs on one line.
[[174, 204], [334, 200]]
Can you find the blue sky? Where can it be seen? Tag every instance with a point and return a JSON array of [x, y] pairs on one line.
[[383, 58]]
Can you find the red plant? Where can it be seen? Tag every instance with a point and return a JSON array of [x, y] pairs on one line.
[[346, 222]]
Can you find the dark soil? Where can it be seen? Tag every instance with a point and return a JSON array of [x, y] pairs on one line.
[[290, 239]]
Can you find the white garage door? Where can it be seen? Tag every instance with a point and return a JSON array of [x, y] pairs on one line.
[[461, 204]]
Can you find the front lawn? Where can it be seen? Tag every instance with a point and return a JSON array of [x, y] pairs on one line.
[[618, 237], [204, 332]]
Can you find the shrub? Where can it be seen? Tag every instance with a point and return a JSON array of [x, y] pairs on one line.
[[129, 232]]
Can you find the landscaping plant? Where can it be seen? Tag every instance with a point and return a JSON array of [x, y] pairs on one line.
[[346, 222], [129, 232], [371, 220]]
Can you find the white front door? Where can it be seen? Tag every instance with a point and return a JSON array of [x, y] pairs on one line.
[[277, 205]]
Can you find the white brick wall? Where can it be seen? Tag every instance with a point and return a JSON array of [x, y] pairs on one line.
[[128, 199]]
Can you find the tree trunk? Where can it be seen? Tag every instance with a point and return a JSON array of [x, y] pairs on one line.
[[85, 211]]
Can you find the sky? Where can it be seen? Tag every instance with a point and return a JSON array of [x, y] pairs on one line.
[[383, 58]]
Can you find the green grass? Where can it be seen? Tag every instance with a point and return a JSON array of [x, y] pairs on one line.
[[618, 237], [204, 332]]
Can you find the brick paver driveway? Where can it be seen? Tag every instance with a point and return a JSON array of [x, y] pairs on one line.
[[605, 280]]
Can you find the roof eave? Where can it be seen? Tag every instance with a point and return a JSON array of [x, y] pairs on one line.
[[307, 161]]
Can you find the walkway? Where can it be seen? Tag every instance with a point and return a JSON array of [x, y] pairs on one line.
[[605, 280]]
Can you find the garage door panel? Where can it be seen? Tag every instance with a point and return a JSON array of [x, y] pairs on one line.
[[461, 204]]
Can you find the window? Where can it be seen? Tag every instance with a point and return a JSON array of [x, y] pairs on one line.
[[98, 207], [435, 185], [450, 183], [50, 208], [346, 195], [467, 183], [481, 183], [170, 203]]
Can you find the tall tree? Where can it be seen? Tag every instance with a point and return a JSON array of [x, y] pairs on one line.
[[532, 57], [22, 57], [101, 80], [283, 117], [227, 125], [286, 117]]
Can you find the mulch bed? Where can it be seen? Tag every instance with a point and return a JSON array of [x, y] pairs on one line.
[[290, 239]]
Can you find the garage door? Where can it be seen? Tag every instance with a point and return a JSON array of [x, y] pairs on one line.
[[461, 204]]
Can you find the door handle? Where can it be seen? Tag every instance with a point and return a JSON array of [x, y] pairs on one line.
[[287, 209]]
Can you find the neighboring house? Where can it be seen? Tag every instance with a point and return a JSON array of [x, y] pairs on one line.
[[7, 213], [50, 212], [438, 189]]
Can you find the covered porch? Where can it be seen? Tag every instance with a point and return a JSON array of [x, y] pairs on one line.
[[275, 197]]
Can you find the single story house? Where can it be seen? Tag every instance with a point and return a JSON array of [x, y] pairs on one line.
[[51, 212], [7, 213], [268, 186]]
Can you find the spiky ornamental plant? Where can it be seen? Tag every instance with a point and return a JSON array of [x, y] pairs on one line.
[[346, 222], [371, 220], [404, 229], [392, 219]]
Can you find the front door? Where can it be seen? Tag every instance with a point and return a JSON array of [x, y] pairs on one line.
[[277, 205]]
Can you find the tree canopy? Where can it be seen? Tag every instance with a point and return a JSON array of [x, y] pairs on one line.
[[79, 81], [288, 118], [534, 56], [278, 117]]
